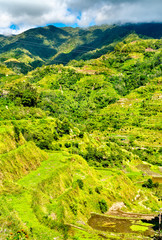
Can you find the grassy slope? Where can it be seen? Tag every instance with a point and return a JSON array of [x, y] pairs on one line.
[[17, 157], [51, 196]]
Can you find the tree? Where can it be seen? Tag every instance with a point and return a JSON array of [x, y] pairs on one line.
[[25, 92]]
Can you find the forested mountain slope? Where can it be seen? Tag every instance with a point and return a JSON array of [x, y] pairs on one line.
[[47, 45], [76, 139]]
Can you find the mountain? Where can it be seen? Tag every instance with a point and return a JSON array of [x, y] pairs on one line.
[[52, 45], [80, 144]]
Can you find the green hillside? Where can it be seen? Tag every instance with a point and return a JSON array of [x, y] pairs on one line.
[[52, 45], [80, 145]]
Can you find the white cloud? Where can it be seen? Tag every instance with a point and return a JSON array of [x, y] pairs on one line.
[[26, 14], [8, 31], [122, 12], [31, 13]]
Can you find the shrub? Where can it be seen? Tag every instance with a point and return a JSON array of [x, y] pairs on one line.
[[81, 134], [150, 184], [67, 145], [98, 189], [75, 144], [80, 183], [17, 133], [90, 191], [103, 206], [24, 93], [74, 209]]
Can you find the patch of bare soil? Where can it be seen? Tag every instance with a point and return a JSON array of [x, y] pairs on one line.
[[115, 210]]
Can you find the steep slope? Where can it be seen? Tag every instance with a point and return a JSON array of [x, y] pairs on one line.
[[60, 195], [94, 97], [60, 45], [17, 157], [99, 121]]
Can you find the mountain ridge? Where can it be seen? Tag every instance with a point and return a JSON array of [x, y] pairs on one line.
[[53, 45]]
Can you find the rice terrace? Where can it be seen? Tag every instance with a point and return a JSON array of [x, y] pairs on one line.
[[80, 120]]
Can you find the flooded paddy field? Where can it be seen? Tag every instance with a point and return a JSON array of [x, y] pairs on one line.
[[125, 223]]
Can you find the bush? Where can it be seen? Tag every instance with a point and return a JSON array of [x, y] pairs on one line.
[[98, 189], [74, 209], [103, 206], [63, 127], [81, 134], [150, 184], [75, 144], [80, 183], [90, 191], [17, 133], [24, 93], [67, 145], [40, 134]]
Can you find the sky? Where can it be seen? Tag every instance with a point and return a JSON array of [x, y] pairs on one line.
[[17, 16]]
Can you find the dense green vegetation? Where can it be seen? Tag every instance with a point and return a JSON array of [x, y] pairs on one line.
[[76, 139], [52, 45]]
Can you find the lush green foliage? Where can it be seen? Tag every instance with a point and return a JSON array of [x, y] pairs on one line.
[[23, 94], [103, 206], [52, 45], [150, 184], [99, 120]]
